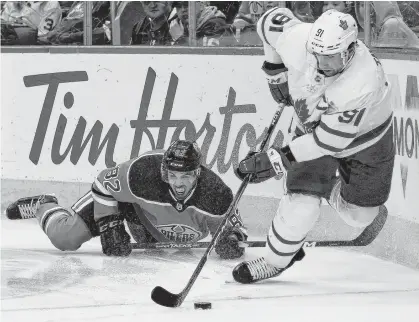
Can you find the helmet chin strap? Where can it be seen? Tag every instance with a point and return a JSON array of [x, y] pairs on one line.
[[346, 57]]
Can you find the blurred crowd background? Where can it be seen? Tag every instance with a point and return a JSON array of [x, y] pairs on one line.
[[166, 23]]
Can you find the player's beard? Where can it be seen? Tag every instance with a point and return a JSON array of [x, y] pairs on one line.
[[330, 72]]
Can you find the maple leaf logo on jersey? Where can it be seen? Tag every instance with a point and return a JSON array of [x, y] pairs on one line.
[[343, 24], [303, 113], [301, 109]]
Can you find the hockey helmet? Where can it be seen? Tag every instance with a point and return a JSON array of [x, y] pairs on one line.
[[333, 33], [183, 156]]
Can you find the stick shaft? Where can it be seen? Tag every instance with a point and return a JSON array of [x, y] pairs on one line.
[[230, 210]]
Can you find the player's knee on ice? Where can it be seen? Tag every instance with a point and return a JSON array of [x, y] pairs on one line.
[[65, 230], [296, 216]]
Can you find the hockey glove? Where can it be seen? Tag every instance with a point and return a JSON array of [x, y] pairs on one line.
[[113, 236], [265, 165], [277, 77], [227, 246]]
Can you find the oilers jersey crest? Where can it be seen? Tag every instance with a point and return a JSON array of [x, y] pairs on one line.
[[339, 115], [139, 182]]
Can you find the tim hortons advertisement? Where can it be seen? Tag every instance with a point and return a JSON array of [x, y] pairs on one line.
[[68, 116]]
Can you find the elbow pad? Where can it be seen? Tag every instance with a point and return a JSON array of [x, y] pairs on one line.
[[277, 77]]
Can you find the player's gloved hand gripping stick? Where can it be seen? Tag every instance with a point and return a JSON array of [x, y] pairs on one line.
[[165, 298]]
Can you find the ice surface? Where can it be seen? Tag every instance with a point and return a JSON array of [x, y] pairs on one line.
[[40, 283]]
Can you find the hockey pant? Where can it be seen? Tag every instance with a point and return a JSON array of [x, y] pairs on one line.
[[68, 230], [296, 216]]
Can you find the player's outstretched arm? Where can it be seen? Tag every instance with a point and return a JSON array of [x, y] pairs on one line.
[[229, 245]]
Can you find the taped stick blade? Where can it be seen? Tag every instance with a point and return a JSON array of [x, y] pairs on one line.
[[164, 298]]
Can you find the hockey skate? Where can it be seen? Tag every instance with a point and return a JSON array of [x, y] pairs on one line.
[[26, 208], [258, 269]]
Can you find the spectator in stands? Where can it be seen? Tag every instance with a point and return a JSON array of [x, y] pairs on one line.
[[31, 20], [301, 9], [153, 29], [341, 6], [410, 13], [211, 26], [71, 28], [388, 27], [9, 36], [251, 11], [244, 24], [228, 8]]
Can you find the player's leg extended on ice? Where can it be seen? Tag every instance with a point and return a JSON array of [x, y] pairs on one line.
[[66, 230], [296, 216]]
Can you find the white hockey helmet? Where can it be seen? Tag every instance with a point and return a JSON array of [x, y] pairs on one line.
[[332, 40], [332, 33]]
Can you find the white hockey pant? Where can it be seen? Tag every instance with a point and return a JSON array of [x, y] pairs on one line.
[[297, 215]]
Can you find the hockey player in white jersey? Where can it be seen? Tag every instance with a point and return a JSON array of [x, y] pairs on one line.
[[342, 121]]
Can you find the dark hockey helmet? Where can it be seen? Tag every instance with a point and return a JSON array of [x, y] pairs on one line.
[[182, 155]]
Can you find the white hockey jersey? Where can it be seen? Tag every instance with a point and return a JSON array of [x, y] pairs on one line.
[[40, 15], [338, 115]]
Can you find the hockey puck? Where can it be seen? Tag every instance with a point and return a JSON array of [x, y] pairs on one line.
[[202, 305]]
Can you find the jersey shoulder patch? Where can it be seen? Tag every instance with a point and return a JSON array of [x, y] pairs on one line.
[[138, 177], [212, 194], [144, 177]]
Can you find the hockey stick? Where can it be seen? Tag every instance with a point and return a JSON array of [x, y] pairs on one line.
[[165, 298], [366, 237]]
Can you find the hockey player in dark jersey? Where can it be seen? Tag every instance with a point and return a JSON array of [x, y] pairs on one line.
[[163, 195]]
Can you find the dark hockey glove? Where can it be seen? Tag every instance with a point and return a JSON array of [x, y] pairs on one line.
[[277, 77], [113, 236], [227, 246], [241, 175], [262, 166]]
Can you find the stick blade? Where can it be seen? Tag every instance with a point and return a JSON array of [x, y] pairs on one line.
[[164, 298]]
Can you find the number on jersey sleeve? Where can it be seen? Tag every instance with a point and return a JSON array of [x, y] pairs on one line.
[[278, 21], [272, 23]]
